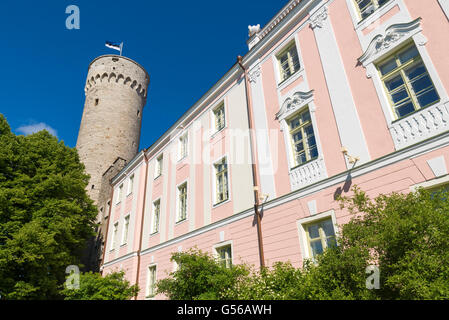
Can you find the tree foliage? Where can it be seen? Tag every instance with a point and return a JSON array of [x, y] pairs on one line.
[[199, 277], [45, 213], [406, 236], [92, 286]]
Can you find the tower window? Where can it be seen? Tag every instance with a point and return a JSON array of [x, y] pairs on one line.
[[96, 101]]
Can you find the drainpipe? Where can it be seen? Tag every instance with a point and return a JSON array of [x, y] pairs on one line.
[[253, 166], [143, 216]]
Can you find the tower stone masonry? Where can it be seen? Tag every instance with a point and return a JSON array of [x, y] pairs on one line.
[[109, 134], [116, 91]]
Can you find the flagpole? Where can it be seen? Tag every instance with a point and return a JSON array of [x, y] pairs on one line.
[[121, 48]]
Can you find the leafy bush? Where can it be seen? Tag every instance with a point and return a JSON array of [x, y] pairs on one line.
[[405, 235], [199, 277], [92, 286]]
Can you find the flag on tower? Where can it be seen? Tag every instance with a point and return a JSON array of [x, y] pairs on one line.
[[115, 45]]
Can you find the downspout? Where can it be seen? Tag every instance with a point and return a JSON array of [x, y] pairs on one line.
[[142, 221], [253, 166]]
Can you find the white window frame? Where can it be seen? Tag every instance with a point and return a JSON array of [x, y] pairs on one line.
[[214, 181], [119, 193], [285, 114], [183, 141], [153, 217], [213, 122], [130, 184], [114, 235], [220, 245], [147, 290], [301, 223], [281, 50], [371, 57], [125, 231], [434, 183], [178, 202], [159, 166]]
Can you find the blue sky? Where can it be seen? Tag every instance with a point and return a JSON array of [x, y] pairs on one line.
[[185, 45]]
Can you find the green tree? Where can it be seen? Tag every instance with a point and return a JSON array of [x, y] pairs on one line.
[[199, 277], [406, 236], [92, 286], [45, 214]]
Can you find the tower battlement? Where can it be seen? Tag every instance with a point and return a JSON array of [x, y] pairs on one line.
[[109, 69]]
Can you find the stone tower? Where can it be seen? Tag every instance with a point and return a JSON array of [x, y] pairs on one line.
[[109, 135]]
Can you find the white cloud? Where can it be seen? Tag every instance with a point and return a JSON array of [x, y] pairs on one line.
[[33, 128]]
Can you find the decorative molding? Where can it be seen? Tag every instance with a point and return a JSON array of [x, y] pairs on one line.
[[318, 18], [253, 75], [308, 173], [279, 18], [420, 126], [295, 102], [382, 42]]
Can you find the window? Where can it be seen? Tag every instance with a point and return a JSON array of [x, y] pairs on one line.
[[119, 195], [108, 206], [407, 82], [219, 117], [303, 138], [225, 256], [125, 230], [320, 235], [367, 7], [182, 202], [151, 289], [156, 215], [114, 236], [130, 184], [158, 169], [221, 181], [183, 146], [288, 62]]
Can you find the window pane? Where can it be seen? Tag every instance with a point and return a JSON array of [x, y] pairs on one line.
[[428, 97], [405, 109], [394, 83], [309, 130], [305, 116], [399, 96], [314, 231], [317, 247], [297, 136], [388, 66], [328, 228], [421, 83], [294, 123], [301, 158], [299, 147], [408, 54], [416, 71], [313, 153]]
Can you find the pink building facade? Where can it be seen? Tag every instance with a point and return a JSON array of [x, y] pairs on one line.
[[340, 93]]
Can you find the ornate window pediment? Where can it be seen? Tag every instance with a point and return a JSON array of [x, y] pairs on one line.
[[293, 103], [393, 35]]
